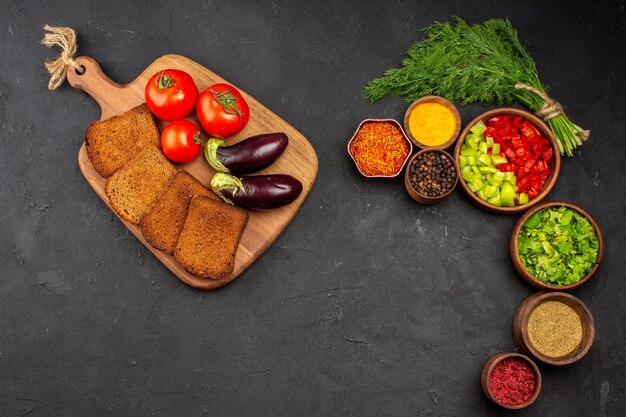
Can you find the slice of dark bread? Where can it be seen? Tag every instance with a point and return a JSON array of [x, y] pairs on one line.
[[162, 223], [210, 237], [133, 188], [113, 142]]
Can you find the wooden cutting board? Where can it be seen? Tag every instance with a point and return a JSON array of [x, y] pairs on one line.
[[299, 159]]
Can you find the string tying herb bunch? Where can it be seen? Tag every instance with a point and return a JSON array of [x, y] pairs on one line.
[[483, 63]]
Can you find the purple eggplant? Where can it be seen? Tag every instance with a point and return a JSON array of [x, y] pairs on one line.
[[260, 192], [249, 155]]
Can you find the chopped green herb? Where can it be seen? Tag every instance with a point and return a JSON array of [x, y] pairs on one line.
[[558, 245]]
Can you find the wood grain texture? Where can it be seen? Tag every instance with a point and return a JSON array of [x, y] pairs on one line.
[[299, 159]]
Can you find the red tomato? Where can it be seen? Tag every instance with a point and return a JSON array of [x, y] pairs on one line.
[[171, 94], [180, 141], [222, 110]]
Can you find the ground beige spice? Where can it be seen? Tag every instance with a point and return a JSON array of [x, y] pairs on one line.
[[554, 329]]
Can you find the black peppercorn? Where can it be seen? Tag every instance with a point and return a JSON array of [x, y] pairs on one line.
[[432, 174]]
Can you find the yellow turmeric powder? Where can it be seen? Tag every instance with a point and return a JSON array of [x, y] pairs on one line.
[[432, 124]]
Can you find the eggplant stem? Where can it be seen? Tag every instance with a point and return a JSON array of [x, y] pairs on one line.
[[221, 181], [210, 154]]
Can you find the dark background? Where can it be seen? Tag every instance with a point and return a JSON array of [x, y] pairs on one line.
[[368, 304]]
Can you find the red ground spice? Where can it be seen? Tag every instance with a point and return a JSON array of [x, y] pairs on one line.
[[512, 381]]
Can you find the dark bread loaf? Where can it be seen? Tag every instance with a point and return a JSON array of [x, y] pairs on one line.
[[113, 142], [133, 188], [210, 237], [162, 223]]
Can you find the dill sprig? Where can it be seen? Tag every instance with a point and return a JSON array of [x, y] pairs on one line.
[[473, 63]]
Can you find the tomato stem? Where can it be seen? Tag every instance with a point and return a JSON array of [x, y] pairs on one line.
[[164, 81], [196, 138], [227, 100]]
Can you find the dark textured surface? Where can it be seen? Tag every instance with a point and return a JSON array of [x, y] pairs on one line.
[[368, 304]]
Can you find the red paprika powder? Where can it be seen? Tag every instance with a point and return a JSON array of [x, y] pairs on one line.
[[512, 381]]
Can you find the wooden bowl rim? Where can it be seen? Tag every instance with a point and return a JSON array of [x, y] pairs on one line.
[[532, 301], [436, 99], [556, 165], [517, 262], [491, 364], [410, 188], [403, 135]]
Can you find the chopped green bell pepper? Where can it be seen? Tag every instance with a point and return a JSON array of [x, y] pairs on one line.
[[495, 200], [484, 159], [523, 198], [507, 194], [488, 169], [479, 128], [467, 150], [497, 159]]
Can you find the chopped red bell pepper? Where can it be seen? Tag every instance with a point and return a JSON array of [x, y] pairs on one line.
[[497, 122], [540, 165], [505, 167], [527, 132], [534, 145], [490, 132], [527, 150], [517, 143], [522, 183], [528, 165], [510, 153], [532, 128], [547, 155]]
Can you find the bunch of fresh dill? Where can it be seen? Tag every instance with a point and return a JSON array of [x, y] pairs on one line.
[[474, 63]]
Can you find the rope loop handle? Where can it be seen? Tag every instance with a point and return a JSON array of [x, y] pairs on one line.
[[65, 39]]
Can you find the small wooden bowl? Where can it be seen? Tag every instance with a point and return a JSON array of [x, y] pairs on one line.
[[403, 135], [486, 374], [513, 248], [539, 124], [425, 199], [439, 100], [520, 324]]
